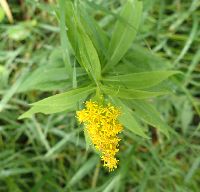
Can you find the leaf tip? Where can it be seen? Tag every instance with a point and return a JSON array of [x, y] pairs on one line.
[[24, 115]]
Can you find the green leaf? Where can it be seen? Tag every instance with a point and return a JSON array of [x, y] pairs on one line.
[[112, 184], [42, 75], [97, 35], [2, 14], [127, 118], [124, 33], [89, 57], [51, 86], [186, 114], [64, 40], [47, 78], [87, 139], [42, 181], [193, 169], [60, 145], [140, 80], [83, 47], [71, 25], [59, 102], [148, 113], [84, 170], [140, 59], [131, 93]]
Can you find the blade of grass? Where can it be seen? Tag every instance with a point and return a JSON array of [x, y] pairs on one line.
[[64, 40]]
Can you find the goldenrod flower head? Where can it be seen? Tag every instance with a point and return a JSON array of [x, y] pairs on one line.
[[102, 127]]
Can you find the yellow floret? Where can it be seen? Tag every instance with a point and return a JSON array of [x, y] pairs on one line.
[[102, 127]]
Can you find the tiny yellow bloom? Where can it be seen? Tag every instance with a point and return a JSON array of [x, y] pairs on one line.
[[102, 127]]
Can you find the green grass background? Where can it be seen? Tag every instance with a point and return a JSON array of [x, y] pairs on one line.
[[48, 153]]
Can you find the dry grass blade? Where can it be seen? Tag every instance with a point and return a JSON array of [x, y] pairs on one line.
[[7, 10]]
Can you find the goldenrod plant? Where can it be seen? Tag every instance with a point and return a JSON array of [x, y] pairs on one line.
[[114, 115], [111, 75]]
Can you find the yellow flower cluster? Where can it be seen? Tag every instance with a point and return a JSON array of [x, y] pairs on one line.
[[102, 127]]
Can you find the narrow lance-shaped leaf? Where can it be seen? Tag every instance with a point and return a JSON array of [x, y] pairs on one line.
[[89, 57], [140, 80], [44, 76], [139, 59], [64, 40], [82, 45], [97, 35], [127, 118], [148, 113], [131, 93], [71, 25], [59, 102], [124, 32]]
